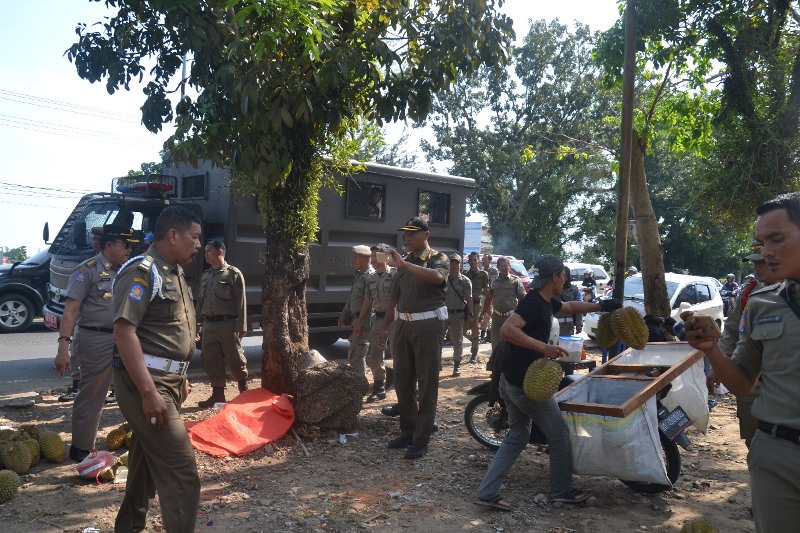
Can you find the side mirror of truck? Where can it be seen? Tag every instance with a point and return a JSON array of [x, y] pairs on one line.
[[79, 233], [46, 233]]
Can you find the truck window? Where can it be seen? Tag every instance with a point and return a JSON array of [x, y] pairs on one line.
[[194, 186], [434, 207], [365, 200]]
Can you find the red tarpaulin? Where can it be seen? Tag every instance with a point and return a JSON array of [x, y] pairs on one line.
[[253, 419]]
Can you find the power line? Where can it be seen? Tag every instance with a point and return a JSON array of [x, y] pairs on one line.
[[58, 105], [68, 131]]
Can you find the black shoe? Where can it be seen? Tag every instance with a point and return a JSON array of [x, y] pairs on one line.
[[435, 428], [473, 359], [456, 369], [415, 451], [111, 398], [400, 442], [76, 454], [375, 396], [68, 396], [392, 410], [242, 385]]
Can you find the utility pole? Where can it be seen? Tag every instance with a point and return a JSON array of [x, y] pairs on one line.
[[624, 184]]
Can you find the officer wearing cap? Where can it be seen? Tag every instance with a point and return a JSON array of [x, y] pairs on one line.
[[418, 295], [351, 313], [459, 310], [154, 329], [528, 330], [373, 313], [88, 306], [222, 308], [505, 292], [480, 289]]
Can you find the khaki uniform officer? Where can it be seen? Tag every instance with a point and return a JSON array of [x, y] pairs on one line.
[[155, 328], [505, 292], [459, 309], [222, 307], [480, 289], [89, 307], [377, 301], [418, 293], [351, 314]]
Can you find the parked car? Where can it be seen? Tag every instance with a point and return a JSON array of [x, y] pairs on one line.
[[517, 267], [694, 293], [576, 271], [23, 290]]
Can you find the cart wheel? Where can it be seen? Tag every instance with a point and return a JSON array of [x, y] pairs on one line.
[[673, 458]]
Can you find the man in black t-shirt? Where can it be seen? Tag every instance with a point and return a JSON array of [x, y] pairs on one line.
[[528, 331]]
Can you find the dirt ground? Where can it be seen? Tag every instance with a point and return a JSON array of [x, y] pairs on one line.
[[363, 485]]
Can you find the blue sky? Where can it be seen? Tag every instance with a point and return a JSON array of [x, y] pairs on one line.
[[60, 132]]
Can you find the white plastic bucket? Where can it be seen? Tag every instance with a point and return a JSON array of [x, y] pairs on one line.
[[572, 344]]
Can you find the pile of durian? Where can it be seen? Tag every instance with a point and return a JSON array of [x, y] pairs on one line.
[[22, 448], [624, 324]]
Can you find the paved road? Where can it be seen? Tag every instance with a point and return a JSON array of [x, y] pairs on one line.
[[26, 359]]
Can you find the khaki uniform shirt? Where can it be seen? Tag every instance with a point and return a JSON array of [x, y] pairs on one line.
[[492, 272], [90, 285], [222, 292], [352, 307], [507, 293], [734, 322], [459, 290], [769, 346], [378, 285], [479, 280], [166, 326], [415, 296]]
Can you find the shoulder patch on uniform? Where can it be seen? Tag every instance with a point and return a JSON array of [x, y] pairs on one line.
[[81, 276], [142, 281], [136, 293]]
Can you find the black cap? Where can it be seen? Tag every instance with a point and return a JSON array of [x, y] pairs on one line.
[[117, 231], [415, 224], [543, 270]]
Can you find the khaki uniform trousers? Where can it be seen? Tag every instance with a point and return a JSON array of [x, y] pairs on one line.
[[475, 330], [416, 350], [357, 353], [454, 325], [748, 424], [375, 353], [160, 460], [497, 323], [221, 345], [95, 351], [774, 466]]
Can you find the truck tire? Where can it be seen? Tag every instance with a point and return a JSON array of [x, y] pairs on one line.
[[16, 313]]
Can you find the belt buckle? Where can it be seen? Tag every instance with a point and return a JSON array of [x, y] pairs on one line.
[[183, 366], [408, 316]]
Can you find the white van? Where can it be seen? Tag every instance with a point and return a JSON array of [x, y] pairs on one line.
[[576, 271]]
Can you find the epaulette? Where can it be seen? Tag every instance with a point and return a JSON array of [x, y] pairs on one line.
[[766, 288], [146, 263], [91, 262]]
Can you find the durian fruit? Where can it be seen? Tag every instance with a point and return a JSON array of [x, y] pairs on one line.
[[16, 456], [106, 475], [115, 439], [31, 430], [605, 336], [123, 459], [6, 434], [698, 526], [9, 483], [53, 448], [128, 438], [629, 327], [35, 449], [125, 427], [542, 379]]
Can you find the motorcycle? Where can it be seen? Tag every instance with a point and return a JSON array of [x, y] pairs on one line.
[[728, 300], [487, 422]]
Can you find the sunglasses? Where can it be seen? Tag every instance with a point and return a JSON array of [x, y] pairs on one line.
[[124, 244]]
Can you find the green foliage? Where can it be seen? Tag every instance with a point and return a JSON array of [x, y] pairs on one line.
[[542, 149], [20, 253]]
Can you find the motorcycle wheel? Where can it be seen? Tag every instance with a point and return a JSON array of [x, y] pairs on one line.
[[481, 420], [673, 459]]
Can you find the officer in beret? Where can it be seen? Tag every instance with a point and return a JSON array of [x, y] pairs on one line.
[[351, 313], [88, 306]]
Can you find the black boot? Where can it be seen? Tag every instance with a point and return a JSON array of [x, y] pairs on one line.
[[378, 392], [393, 410], [217, 396], [456, 369], [242, 385]]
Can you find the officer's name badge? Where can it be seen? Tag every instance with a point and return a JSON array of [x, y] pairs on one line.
[[768, 319]]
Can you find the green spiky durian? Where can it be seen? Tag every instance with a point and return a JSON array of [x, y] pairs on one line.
[[31, 430], [125, 427], [605, 336], [123, 459], [9, 483], [542, 379], [35, 449], [629, 327], [107, 475], [53, 448], [698, 526], [16, 456], [128, 438], [6, 434], [115, 439]]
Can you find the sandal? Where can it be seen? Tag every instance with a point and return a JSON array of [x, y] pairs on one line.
[[576, 496], [497, 503]]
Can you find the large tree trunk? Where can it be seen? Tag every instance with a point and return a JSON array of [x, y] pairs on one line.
[[651, 252]]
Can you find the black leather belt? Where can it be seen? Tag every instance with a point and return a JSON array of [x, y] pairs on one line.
[[782, 432], [456, 311], [219, 318], [95, 328], [380, 314]]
